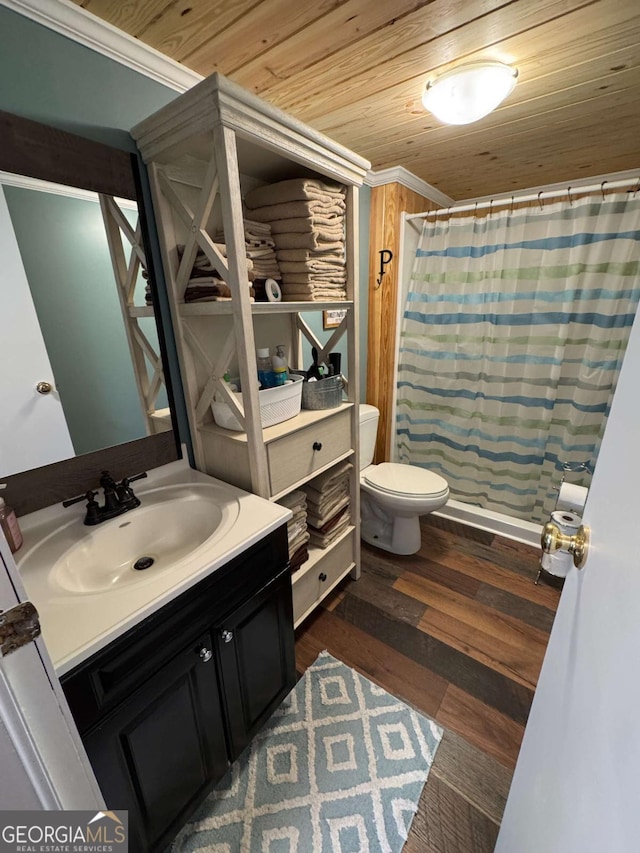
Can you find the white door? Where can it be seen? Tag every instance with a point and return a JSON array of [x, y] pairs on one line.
[[42, 761], [576, 785], [33, 429]]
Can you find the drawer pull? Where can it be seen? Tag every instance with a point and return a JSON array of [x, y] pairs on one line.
[[205, 654], [322, 577], [317, 445], [227, 636]]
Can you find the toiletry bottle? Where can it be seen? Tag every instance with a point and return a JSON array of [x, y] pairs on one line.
[[265, 370], [279, 364], [10, 526]]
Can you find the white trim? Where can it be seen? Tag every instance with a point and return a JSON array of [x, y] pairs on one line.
[[8, 179], [400, 175], [74, 22], [494, 522]]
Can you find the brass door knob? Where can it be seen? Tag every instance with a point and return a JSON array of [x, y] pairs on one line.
[[44, 387], [553, 539]]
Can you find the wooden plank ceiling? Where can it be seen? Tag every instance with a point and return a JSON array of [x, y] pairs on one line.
[[356, 69]]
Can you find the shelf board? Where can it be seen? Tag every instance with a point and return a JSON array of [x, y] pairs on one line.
[[141, 311], [316, 554], [306, 417], [208, 309]]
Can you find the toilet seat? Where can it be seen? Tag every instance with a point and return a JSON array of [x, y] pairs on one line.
[[394, 478]]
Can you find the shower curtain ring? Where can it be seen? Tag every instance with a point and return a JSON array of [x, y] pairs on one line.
[[602, 189], [512, 202], [569, 196], [540, 200], [490, 206], [637, 188]]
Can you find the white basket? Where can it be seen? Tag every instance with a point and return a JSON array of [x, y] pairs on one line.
[[276, 405]]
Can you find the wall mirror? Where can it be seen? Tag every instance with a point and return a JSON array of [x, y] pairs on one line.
[[81, 351]]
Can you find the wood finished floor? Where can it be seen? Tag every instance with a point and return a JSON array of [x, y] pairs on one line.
[[459, 631]]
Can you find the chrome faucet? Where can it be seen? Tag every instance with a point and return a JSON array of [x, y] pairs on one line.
[[118, 498]]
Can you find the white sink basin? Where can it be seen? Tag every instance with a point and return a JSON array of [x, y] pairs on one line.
[[171, 524], [82, 580]]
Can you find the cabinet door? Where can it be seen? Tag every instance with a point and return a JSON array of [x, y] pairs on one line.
[[159, 752], [257, 660]]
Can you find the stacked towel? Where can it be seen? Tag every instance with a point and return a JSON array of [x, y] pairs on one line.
[[328, 510], [206, 284], [261, 249], [307, 224], [297, 533]]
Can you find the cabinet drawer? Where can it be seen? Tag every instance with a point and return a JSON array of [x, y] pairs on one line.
[[309, 589], [295, 456]]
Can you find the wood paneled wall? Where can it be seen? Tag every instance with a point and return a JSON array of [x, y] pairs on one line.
[[388, 202]]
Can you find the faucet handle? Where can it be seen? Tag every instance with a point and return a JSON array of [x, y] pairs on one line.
[[125, 492], [92, 515], [87, 496]]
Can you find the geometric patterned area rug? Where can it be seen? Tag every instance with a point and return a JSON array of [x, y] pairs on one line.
[[339, 768]]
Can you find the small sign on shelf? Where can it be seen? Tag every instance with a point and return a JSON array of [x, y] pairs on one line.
[[332, 318]]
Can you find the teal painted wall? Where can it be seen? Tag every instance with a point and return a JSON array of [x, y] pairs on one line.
[[51, 79]]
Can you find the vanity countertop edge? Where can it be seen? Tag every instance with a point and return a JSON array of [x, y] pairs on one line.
[[77, 625]]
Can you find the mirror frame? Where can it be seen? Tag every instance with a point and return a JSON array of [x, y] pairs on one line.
[[41, 151]]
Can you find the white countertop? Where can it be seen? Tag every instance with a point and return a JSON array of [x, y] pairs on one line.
[[76, 625]]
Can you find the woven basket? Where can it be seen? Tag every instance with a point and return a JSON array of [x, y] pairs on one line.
[[276, 405]]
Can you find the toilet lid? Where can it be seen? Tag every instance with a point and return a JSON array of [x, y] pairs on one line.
[[397, 479]]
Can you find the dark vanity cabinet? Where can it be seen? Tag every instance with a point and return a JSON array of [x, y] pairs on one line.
[[164, 709]]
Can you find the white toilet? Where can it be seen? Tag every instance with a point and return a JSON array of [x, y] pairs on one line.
[[393, 496]]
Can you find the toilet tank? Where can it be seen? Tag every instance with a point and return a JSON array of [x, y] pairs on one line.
[[369, 416]]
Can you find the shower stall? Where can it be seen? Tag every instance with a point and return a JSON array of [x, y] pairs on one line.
[[513, 320]]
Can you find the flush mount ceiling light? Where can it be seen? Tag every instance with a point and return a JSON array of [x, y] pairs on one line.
[[469, 92]]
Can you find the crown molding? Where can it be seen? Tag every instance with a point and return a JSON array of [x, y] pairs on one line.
[[400, 175], [74, 22]]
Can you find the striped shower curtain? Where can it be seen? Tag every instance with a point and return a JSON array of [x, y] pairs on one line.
[[513, 333]]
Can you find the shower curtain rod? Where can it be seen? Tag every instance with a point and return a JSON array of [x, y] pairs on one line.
[[541, 197]]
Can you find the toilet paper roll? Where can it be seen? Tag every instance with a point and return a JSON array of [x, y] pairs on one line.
[[572, 497], [557, 564], [567, 521], [560, 562]]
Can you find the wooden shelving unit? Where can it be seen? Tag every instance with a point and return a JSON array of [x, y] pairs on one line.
[[204, 150]]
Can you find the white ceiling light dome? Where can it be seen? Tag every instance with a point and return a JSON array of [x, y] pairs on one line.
[[469, 92]]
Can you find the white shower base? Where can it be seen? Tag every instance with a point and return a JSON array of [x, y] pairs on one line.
[[494, 522]]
